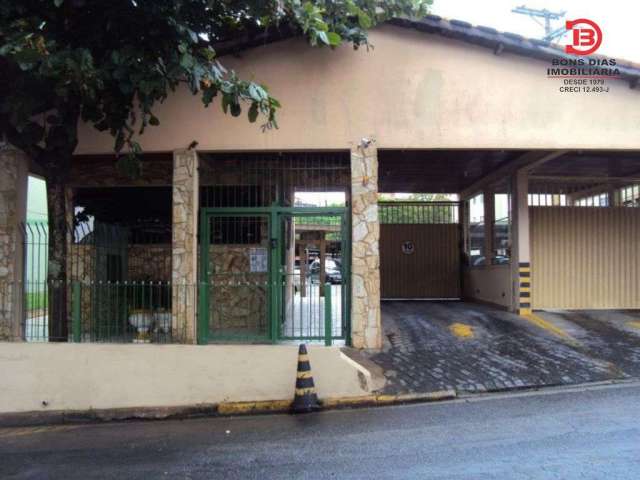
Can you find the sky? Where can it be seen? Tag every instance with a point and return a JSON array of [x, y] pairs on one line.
[[618, 19], [324, 199], [36, 200]]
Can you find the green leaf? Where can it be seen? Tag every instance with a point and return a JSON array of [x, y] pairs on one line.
[[236, 110], [102, 125], [27, 56], [119, 141], [58, 3], [153, 120], [208, 94], [193, 35], [364, 20], [323, 37], [130, 165], [33, 132], [334, 39], [187, 61], [257, 93], [253, 112]]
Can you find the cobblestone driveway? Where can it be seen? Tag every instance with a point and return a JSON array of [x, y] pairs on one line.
[[474, 348]]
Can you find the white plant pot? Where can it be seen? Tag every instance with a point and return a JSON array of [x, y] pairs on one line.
[[162, 321], [141, 321]]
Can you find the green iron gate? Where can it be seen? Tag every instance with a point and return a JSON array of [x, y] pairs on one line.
[[110, 243], [270, 274], [236, 285]]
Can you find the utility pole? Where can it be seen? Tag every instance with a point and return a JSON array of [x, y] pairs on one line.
[[549, 33]]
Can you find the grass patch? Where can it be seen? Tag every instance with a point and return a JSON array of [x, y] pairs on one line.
[[35, 300]]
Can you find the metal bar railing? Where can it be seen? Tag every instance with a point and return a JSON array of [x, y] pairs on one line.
[[328, 331], [76, 309], [105, 312], [129, 312], [400, 212]]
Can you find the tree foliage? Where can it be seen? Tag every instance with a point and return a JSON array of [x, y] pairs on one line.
[[110, 62]]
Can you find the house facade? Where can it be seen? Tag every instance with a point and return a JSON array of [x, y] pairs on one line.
[[215, 242]]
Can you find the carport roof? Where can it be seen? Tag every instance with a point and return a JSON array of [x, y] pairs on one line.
[[594, 164], [587, 171], [453, 171], [438, 171]]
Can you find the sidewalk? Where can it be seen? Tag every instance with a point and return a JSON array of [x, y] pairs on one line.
[[433, 351]]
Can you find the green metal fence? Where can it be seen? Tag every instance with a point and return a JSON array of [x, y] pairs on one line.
[[409, 212], [125, 313], [117, 287], [118, 275]]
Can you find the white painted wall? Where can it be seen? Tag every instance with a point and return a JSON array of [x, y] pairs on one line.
[[488, 283], [413, 90], [93, 376]]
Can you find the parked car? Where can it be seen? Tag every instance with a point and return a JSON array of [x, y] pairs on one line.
[[297, 273], [332, 271], [478, 260]]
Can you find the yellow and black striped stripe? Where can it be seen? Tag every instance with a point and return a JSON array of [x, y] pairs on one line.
[[524, 288]]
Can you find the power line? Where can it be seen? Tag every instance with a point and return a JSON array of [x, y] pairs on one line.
[[549, 33]]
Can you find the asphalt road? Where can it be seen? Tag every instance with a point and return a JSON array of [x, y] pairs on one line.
[[580, 433]]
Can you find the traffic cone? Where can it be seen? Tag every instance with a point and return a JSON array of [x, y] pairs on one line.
[[305, 399]]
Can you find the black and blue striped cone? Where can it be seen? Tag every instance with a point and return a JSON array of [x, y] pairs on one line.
[[305, 399]]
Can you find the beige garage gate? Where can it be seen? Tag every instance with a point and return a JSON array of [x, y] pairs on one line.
[[419, 250], [585, 257]]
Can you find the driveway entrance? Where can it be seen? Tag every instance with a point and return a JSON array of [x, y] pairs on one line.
[[475, 348], [611, 335], [419, 250]]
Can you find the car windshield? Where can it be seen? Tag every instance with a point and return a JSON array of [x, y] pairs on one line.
[[329, 264]]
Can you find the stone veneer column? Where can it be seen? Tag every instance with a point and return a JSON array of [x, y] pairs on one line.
[[185, 245], [13, 206], [366, 329]]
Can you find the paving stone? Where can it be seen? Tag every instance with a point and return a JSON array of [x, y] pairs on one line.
[[505, 353]]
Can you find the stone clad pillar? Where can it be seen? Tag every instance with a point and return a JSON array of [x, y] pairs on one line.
[[13, 210], [366, 328], [184, 245]]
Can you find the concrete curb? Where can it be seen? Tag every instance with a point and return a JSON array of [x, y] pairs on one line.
[[225, 409], [383, 400]]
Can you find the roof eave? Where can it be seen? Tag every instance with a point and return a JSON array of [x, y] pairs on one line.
[[500, 42]]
